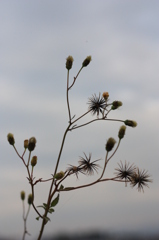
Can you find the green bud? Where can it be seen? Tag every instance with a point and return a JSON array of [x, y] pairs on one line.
[[11, 139], [59, 175], [30, 199], [22, 195], [86, 61], [31, 144], [121, 132], [130, 123], [26, 143], [116, 104], [69, 62], [110, 144], [34, 161]]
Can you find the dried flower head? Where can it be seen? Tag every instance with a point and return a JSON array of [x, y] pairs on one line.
[[96, 104], [26, 143], [121, 132], [125, 171], [86, 61], [86, 166], [22, 195], [130, 123], [74, 170], [140, 178], [69, 62], [110, 144], [34, 161], [30, 199], [11, 139], [31, 144], [59, 175], [116, 104], [105, 95]]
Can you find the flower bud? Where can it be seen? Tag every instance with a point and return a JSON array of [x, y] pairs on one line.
[[34, 161], [69, 62], [22, 195], [26, 143], [130, 123], [105, 95], [110, 144], [30, 199], [59, 175], [116, 104], [86, 61], [121, 132], [10, 138], [31, 144]]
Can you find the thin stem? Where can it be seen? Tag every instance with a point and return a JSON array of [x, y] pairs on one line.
[[52, 183], [19, 155], [68, 106], [75, 78], [108, 119]]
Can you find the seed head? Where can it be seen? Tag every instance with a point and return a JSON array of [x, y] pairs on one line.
[[26, 143], [22, 195], [34, 161], [130, 123], [105, 95], [11, 139], [69, 62], [116, 104], [121, 132], [30, 199], [86, 61], [31, 144], [59, 175], [110, 144]]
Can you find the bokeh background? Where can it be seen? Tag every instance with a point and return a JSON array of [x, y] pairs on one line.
[[122, 36]]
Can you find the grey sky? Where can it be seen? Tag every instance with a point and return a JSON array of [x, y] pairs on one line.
[[123, 39]]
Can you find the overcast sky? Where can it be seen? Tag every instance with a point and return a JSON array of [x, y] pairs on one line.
[[122, 36]]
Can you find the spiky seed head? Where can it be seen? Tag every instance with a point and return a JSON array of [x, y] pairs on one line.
[[59, 175], [30, 199], [11, 139], [22, 195], [31, 144], [116, 104], [34, 161], [87, 61], [110, 144], [105, 95], [26, 141], [130, 123], [69, 62], [121, 132]]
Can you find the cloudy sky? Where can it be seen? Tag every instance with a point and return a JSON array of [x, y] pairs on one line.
[[122, 36]]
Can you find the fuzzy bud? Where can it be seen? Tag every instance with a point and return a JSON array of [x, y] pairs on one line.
[[34, 161], [116, 104], [26, 143], [59, 175], [86, 61], [110, 144], [121, 132], [105, 95], [69, 62], [10, 138], [31, 144], [22, 195], [130, 123], [30, 199]]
